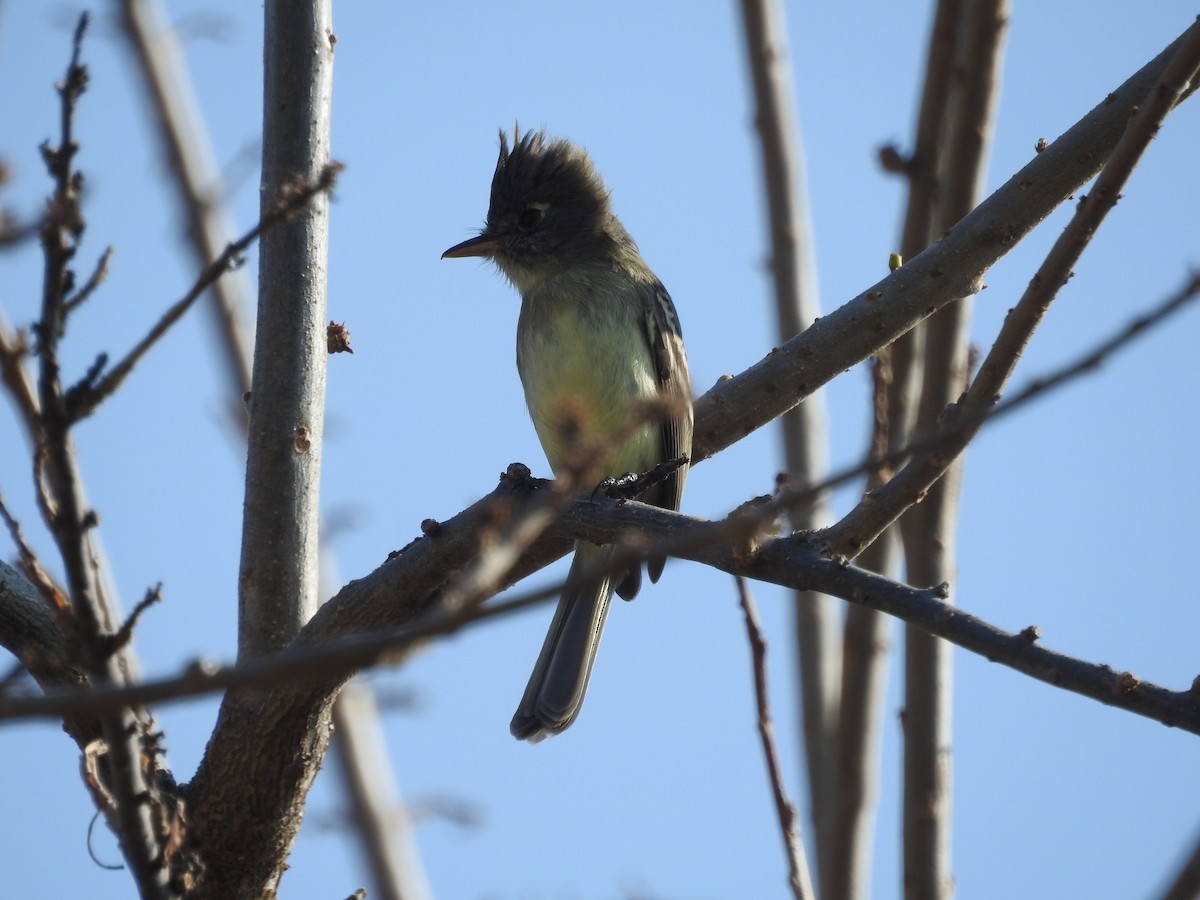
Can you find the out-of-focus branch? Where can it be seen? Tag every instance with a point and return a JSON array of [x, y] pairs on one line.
[[865, 655], [923, 169], [904, 363], [805, 434], [197, 178], [379, 815], [326, 660], [13, 352], [1186, 883], [928, 529], [798, 876]]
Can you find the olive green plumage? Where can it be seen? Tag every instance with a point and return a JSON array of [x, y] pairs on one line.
[[597, 337]]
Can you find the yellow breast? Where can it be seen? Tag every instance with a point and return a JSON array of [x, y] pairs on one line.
[[585, 373]]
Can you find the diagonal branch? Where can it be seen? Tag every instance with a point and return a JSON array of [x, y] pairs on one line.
[[457, 547], [947, 270], [329, 648], [13, 374], [1085, 363], [278, 729], [293, 197], [882, 507], [188, 149]]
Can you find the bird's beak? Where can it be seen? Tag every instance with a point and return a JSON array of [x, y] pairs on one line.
[[482, 245]]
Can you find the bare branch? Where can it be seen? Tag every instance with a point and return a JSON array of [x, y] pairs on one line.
[[1186, 883], [395, 596], [136, 809], [946, 271], [383, 824], [795, 562], [1086, 363], [457, 544], [799, 879], [31, 566], [188, 150], [14, 349], [963, 131], [278, 577], [864, 523], [94, 281], [292, 198]]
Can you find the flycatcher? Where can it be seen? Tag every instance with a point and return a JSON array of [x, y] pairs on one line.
[[597, 338]]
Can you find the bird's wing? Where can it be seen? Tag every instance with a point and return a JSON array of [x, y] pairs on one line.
[[670, 363]]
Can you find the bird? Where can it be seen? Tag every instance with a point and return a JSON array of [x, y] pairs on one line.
[[598, 338]]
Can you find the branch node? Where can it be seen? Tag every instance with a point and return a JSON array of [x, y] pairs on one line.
[[1030, 634], [123, 636], [78, 395], [1126, 683]]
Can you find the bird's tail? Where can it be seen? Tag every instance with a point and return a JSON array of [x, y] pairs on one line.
[[560, 677]]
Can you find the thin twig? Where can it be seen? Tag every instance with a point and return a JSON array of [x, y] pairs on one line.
[[1086, 363], [31, 565], [136, 804], [94, 281], [14, 349], [124, 634], [289, 202], [799, 880]]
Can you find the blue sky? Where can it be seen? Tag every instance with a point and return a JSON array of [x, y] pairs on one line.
[[1078, 513]]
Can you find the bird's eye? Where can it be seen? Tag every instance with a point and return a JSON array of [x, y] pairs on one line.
[[529, 218]]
